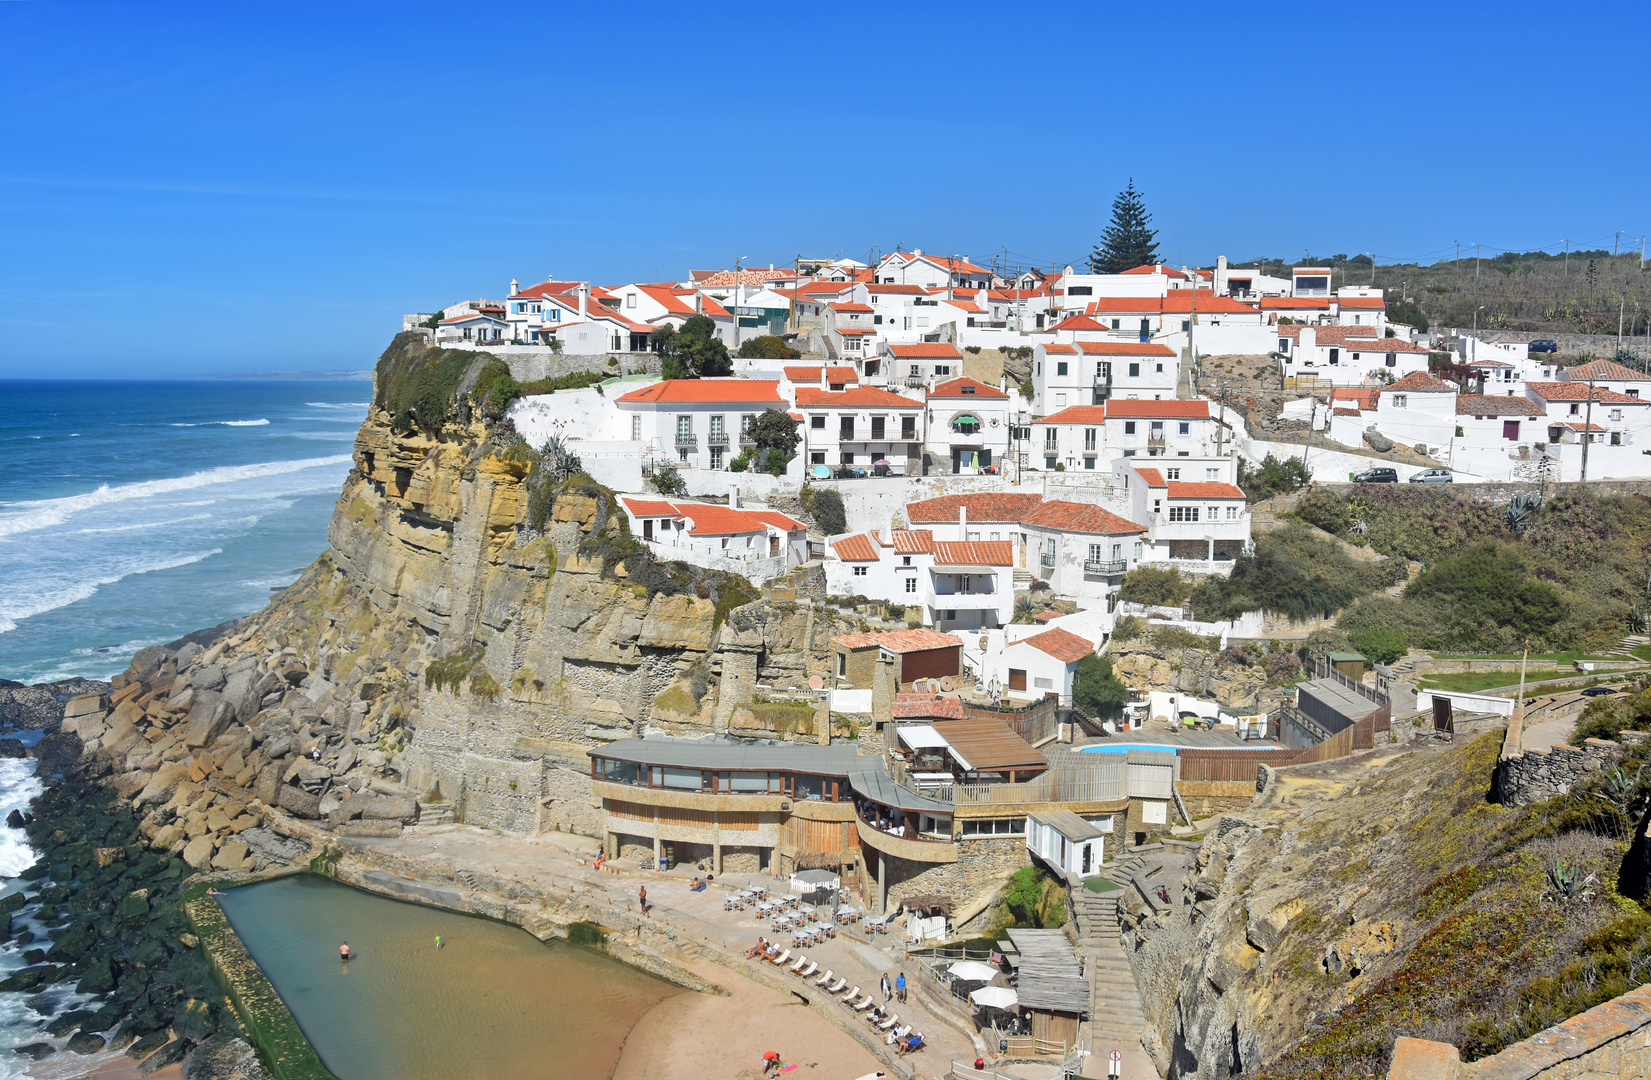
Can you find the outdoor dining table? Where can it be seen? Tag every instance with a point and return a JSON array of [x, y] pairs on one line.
[[766, 906]]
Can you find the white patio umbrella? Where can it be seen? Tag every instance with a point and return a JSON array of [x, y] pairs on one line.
[[994, 997], [973, 971]]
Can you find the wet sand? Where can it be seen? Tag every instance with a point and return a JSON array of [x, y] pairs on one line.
[[696, 1036]]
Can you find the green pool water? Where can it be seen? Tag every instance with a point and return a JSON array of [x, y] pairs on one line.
[[494, 1002]]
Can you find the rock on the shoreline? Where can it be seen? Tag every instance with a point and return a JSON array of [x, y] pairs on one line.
[[224, 1057]]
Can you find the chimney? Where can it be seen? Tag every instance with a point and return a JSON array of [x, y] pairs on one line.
[[699, 303], [1220, 280], [1309, 338], [734, 500], [514, 288], [962, 521], [584, 300]]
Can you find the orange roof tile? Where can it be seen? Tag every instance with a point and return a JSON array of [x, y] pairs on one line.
[[1079, 322], [853, 331], [1076, 414], [1123, 348], [1365, 399], [853, 309], [1155, 268], [1203, 491], [996, 506], [1057, 349], [898, 290], [899, 641], [1153, 477], [1573, 391], [778, 520], [833, 374], [920, 706], [1063, 645], [1487, 405], [1295, 303], [974, 553], [1362, 303], [649, 507], [1047, 616], [943, 349], [1418, 382], [1080, 517], [856, 548], [738, 391], [1180, 410], [914, 542], [956, 388], [712, 520], [1335, 335], [812, 397], [1604, 369]]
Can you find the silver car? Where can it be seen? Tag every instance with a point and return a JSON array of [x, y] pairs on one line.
[[1433, 476]]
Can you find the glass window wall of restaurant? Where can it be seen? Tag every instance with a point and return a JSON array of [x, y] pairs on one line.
[[803, 786]]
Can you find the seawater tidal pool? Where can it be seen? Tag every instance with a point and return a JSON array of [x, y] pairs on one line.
[[492, 1002]]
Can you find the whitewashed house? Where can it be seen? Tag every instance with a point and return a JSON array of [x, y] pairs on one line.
[[930, 271], [1066, 842], [959, 585], [1196, 516], [1040, 665], [1345, 356], [1418, 410], [1083, 551], [1074, 437], [920, 364], [994, 515], [1159, 428], [1088, 372], [759, 544], [699, 423], [1609, 375], [865, 429], [968, 427]]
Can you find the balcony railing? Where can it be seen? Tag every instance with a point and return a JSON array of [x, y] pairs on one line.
[[1155, 442], [1105, 566], [1047, 560], [746, 439], [686, 442], [915, 380], [717, 439]]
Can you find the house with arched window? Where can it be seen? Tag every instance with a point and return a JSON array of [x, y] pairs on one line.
[[968, 426]]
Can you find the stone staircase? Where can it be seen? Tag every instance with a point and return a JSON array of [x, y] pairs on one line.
[[1625, 648], [1116, 1017], [1023, 578]]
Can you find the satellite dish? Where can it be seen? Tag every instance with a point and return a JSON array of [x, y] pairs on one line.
[[816, 683]]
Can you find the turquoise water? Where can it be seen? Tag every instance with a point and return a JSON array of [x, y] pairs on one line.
[[133, 513], [493, 1003], [1124, 748]]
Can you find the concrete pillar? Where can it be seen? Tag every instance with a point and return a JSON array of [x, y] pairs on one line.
[[883, 687], [822, 719], [882, 885], [1211, 555], [610, 843], [657, 849], [716, 843]]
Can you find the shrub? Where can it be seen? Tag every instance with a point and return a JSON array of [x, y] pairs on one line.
[[667, 481], [418, 386], [775, 461], [1294, 573], [1128, 628], [1096, 690], [1148, 584], [1272, 477], [768, 347], [740, 463], [577, 380], [972, 350], [1380, 645], [826, 504]]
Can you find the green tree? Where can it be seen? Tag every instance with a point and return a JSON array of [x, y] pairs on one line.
[[1097, 691], [1272, 477], [667, 481], [768, 347], [434, 321], [1408, 312], [1378, 643], [775, 430], [693, 352], [1129, 241], [1148, 584], [1489, 585], [827, 507]]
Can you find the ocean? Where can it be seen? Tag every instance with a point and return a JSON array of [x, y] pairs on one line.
[[136, 512]]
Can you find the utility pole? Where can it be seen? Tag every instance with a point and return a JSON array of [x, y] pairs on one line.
[[1622, 310], [796, 275], [1312, 419], [1567, 258], [1458, 252], [1221, 421], [1476, 258], [1616, 245], [1587, 429]]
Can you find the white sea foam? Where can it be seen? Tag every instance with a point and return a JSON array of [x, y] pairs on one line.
[[24, 603], [143, 525], [338, 405], [21, 517], [226, 423]]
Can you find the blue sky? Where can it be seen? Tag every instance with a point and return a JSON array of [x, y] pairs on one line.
[[193, 188]]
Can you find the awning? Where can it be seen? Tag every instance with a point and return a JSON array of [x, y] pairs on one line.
[[922, 737], [994, 997]]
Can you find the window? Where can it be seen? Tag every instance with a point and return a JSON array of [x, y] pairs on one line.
[[1616, 414], [1184, 428], [1392, 359], [905, 560], [1103, 371], [1080, 290], [911, 584], [1399, 401], [877, 428], [716, 428], [847, 458], [1160, 369], [968, 389], [816, 457], [1232, 513], [916, 372], [859, 571], [1129, 427], [994, 826], [1049, 462], [1089, 439], [1060, 401], [1138, 544], [684, 427], [817, 423], [965, 424], [876, 320], [1575, 409], [1094, 553], [1172, 474], [636, 429], [1283, 344], [1214, 513], [1134, 371], [1017, 679], [908, 427], [1060, 368], [942, 370], [1335, 356], [845, 428], [1210, 474], [630, 300], [1115, 323], [842, 665], [1183, 513]]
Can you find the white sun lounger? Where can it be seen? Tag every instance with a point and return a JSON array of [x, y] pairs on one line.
[[782, 958], [808, 971], [851, 995], [798, 966], [863, 1005], [889, 1023], [827, 977]]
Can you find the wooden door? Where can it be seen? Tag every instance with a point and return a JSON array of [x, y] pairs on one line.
[[1017, 679]]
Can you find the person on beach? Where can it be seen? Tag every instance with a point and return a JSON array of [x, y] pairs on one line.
[[888, 988], [900, 987], [770, 1062], [642, 898], [438, 941], [344, 951]]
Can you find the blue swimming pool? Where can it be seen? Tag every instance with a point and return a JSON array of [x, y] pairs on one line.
[[1124, 748]]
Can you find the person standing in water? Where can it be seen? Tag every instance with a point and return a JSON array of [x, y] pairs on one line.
[[344, 951], [438, 941]]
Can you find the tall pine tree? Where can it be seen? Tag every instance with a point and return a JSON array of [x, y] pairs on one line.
[[1127, 242]]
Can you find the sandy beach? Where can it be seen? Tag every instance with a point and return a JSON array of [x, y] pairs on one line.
[[695, 1036]]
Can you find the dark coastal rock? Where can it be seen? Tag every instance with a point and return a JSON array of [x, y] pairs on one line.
[[194, 1021], [14, 819], [146, 1045], [146, 662], [26, 979], [210, 677], [170, 1054], [36, 1051], [299, 802], [13, 748], [188, 654], [57, 751], [271, 846], [84, 1042], [224, 1057], [29, 708]]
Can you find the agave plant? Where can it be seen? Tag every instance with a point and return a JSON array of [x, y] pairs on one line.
[[1521, 512]]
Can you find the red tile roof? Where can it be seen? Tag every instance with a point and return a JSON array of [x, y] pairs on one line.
[[833, 374], [899, 641], [734, 391], [1574, 391], [1063, 645], [913, 541], [1487, 405], [955, 389], [1383, 345], [649, 507], [919, 706], [1583, 427], [956, 266], [974, 553], [1156, 268], [1079, 322], [1080, 517], [899, 290], [745, 277], [966, 305], [1180, 410], [1364, 399], [1124, 305], [1419, 382], [1203, 491], [718, 520], [673, 303], [853, 331], [1057, 349], [853, 309], [1364, 303], [778, 520], [1123, 348], [1153, 477], [712, 309], [986, 506], [856, 548], [1608, 370], [813, 397], [943, 349], [1181, 301], [1295, 303], [1047, 616], [1076, 414], [1335, 335], [545, 288]]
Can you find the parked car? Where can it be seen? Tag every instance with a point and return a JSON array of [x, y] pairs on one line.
[[1433, 476], [1543, 346], [1599, 691], [1377, 476]]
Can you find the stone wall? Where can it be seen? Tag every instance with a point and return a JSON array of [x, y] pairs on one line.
[[1536, 774], [982, 862], [1206, 797], [1609, 1040]]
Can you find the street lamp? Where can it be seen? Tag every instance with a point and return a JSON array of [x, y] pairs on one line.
[[736, 311]]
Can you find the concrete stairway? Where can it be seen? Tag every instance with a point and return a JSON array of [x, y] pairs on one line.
[[1116, 1017]]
